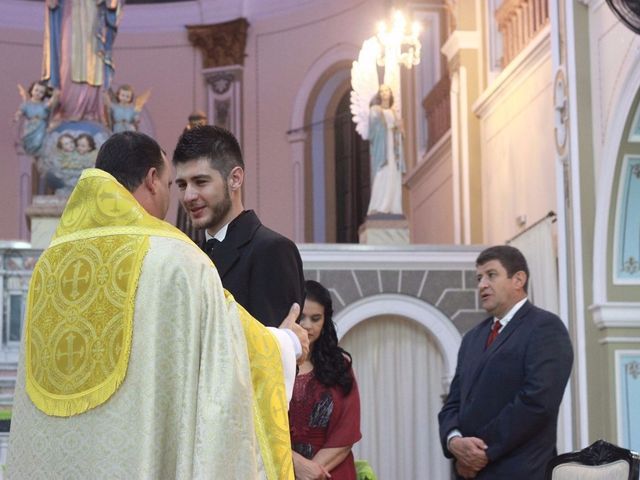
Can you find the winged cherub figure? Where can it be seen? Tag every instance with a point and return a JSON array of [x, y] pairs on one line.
[[37, 104], [123, 108]]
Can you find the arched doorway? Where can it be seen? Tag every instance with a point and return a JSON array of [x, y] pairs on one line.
[[404, 354], [352, 174]]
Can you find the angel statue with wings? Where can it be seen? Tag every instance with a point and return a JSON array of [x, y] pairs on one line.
[[378, 121], [123, 109], [37, 104]]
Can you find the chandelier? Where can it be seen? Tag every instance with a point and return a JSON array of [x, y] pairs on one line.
[[398, 45]]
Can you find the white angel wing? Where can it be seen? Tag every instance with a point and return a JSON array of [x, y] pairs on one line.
[[364, 82], [23, 93]]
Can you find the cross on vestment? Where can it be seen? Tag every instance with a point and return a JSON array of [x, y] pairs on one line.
[[70, 352], [75, 280]]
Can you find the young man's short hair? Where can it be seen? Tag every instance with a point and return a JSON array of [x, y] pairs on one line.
[[216, 144]]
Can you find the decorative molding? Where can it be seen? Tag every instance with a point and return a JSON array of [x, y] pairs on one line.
[[537, 52], [224, 97], [221, 82], [561, 108], [616, 315], [607, 340], [379, 257], [461, 40], [221, 44]]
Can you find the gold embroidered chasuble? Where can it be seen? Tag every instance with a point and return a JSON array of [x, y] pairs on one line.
[[130, 339]]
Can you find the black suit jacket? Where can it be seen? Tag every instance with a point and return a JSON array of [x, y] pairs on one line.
[[261, 268], [509, 394]]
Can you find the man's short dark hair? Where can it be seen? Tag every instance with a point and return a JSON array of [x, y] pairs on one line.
[[216, 144], [509, 257], [129, 156]]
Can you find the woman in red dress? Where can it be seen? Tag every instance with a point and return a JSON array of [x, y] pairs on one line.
[[324, 414]]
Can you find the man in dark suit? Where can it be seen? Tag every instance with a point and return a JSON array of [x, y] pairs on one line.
[[261, 268], [500, 418]]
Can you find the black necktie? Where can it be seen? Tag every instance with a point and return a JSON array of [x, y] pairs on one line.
[[211, 245]]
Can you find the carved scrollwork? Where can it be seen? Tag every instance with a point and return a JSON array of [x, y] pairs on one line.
[[221, 44], [221, 82], [561, 107]]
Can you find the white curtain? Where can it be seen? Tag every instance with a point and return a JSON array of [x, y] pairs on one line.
[[399, 370], [538, 247]]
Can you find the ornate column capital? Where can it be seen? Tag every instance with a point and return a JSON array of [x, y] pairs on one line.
[[221, 44]]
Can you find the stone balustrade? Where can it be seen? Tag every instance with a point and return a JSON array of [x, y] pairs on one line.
[[437, 109], [519, 21]]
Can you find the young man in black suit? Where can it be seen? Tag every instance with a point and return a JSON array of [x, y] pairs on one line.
[[501, 415], [260, 267]]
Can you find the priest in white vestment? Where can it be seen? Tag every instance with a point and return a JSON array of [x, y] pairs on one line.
[[135, 362]]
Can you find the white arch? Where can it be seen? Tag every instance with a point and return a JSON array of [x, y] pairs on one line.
[[620, 112], [297, 137], [341, 52], [445, 334]]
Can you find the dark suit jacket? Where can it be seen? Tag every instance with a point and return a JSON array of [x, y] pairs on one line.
[[261, 268], [509, 394]]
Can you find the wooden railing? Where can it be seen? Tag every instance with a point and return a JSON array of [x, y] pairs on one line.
[[518, 22], [437, 108]]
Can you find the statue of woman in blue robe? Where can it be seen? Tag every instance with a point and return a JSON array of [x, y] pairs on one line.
[[79, 36], [387, 155]]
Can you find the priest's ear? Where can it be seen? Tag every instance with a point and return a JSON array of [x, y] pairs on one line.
[[151, 180], [235, 179]]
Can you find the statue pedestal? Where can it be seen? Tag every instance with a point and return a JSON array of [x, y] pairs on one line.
[[44, 215], [384, 229]]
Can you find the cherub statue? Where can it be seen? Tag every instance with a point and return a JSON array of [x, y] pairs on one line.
[[123, 108], [377, 121], [37, 104], [72, 156], [59, 169], [86, 151]]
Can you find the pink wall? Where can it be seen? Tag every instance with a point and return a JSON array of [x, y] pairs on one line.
[[163, 62], [21, 59], [280, 52], [285, 40]]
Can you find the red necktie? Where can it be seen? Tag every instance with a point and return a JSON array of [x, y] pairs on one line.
[[494, 333]]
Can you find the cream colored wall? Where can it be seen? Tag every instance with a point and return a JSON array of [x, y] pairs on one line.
[[518, 154], [430, 184], [613, 55]]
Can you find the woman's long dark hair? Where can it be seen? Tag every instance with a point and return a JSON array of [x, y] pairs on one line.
[[331, 364]]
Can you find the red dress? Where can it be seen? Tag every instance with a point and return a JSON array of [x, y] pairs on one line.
[[323, 417]]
